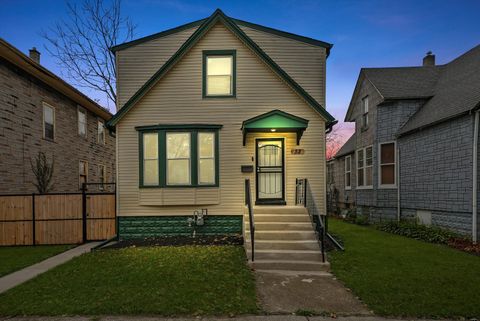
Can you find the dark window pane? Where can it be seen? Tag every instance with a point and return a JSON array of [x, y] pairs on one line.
[[368, 176], [347, 180], [388, 175], [48, 131], [388, 153], [360, 177]]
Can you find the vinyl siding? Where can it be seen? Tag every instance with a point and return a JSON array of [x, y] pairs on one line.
[[135, 65], [177, 99], [305, 63]]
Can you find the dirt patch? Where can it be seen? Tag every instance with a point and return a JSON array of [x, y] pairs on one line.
[[180, 241]]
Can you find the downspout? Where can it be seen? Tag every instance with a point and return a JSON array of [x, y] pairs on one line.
[[475, 178], [398, 179]]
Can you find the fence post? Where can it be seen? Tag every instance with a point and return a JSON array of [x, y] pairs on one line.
[[33, 220], [84, 213]]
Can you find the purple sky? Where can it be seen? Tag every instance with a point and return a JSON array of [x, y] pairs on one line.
[[365, 33]]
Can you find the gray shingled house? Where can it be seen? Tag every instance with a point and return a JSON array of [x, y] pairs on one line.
[[414, 153]]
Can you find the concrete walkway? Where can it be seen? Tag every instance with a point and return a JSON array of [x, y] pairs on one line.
[[11, 280], [288, 292], [242, 318]]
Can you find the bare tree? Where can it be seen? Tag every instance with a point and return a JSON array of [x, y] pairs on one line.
[[81, 43], [43, 172], [334, 141]]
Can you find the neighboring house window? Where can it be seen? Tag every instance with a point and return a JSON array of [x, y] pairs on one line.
[[101, 132], [206, 158], [150, 159], [387, 164], [330, 173], [186, 158], [365, 112], [219, 73], [178, 158], [48, 122], [348, 172], [364, 167], [102, 176], [82, 122], [82, 173]]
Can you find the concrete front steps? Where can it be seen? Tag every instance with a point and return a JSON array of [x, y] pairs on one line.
[[285, 240]]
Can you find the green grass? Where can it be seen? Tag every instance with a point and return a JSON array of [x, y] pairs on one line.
[[16, 258], [188, 280], [398, 276]]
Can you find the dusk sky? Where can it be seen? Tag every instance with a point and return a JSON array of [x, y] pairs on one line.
[[364, 33]]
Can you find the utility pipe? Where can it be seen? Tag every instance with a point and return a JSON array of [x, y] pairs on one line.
[[397, 172], [475, 178]]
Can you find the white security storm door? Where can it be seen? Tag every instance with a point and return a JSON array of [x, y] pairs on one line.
[[270, 171]]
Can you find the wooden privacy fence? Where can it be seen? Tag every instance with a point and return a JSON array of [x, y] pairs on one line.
[[56, 218]]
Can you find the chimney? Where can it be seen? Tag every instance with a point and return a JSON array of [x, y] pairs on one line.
[[429, 59], [35, 55]]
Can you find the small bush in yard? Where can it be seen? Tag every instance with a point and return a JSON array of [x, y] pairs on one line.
[[419, 232]]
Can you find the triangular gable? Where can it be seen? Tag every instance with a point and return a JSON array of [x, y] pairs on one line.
[[217, 16]]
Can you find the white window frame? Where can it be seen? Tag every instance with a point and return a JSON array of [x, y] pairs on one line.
[[386, 186], [364, 149], [102, 122], [349, 159], [144, 159], [81, 110], [365, 111], [44, 104]]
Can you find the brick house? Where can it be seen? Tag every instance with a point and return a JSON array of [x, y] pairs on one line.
[[414, 153], [41, 112]]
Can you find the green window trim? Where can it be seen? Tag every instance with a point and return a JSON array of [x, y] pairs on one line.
[[162, 130], [208, 53]]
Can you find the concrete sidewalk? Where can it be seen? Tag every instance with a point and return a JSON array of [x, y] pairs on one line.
[[11, 280], [243, 318]]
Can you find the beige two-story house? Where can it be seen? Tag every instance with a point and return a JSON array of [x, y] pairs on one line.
[[206, 105]]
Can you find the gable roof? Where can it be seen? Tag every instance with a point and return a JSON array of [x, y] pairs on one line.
[[22, 61], [457, 92], [217, 16], [347, 148], [252, 25]]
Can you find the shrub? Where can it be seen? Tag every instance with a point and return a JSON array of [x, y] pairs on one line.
[[417, 231]]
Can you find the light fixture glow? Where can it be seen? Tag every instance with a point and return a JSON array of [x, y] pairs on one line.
[[273, 130]]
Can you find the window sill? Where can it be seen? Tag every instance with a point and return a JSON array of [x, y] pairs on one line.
[[219, 96], [364, 187], [387, 186], [348, 188]]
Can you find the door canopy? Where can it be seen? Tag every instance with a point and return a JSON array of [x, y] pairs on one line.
[[275, 121]]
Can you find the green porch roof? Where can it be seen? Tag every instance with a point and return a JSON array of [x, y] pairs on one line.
[[275, 121]]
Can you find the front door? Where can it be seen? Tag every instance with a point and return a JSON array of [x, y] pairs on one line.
[[270, 163]]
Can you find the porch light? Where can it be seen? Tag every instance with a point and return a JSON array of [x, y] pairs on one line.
[[273, 130]]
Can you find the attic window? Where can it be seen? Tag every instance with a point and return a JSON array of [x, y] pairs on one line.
[[219, 73], [365, 112]]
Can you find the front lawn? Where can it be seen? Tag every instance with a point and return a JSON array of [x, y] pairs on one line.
[[186, 280], [398, 276], [17, 257]]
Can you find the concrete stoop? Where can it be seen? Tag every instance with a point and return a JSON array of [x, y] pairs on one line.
[[285, 241]]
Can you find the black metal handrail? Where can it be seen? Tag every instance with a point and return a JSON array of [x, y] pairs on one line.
[[248, 203]]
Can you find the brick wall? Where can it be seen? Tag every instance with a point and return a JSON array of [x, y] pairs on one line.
[[21, 136]]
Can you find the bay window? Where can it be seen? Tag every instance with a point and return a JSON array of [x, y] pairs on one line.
[[387, 164], [172, 156]]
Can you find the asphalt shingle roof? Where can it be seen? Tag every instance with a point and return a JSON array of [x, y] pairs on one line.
[[347, 148], [457, 91]]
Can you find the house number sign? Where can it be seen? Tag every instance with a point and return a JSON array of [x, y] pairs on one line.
[[298, 151]]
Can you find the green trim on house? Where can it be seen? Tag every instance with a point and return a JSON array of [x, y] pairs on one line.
[[205, 55], [162, 131], [277, 32], [285, 34], [218, 15], [275, 121], [161, 34], [135, 227]]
